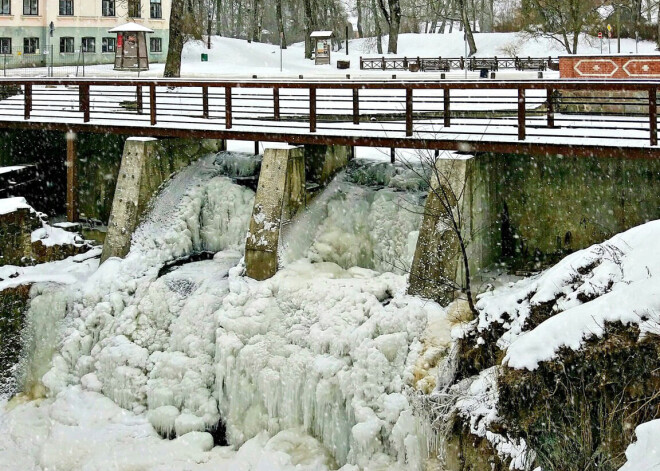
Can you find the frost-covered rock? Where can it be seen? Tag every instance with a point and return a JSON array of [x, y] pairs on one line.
[[616, 281]]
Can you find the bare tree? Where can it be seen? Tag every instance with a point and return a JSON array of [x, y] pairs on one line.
[[392, 14], [561, 20], [442, 261], [177, 40], [463, 7]]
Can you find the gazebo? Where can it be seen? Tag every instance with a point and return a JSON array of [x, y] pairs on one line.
[[131, 53], [322, 42]]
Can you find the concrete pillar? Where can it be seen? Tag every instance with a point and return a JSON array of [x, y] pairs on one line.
[[460, 187], [322, 162], [146, 163], [72, 196], [280, 194]]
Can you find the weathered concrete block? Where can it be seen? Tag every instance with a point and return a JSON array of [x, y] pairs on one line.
[[16, 226], [146, 164], [322, 162], [280, 194], [459, 202]]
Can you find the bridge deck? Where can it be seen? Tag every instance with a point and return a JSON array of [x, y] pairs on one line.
[[516, 117]]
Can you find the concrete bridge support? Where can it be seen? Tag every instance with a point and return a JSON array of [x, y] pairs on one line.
[[527, 213], [146, 163], [458, 204], [286, 174]]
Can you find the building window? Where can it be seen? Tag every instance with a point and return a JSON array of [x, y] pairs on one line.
[[30, 7], [108, 7], [108, 45], [155, 44], [30, 45], [66, 7], [134, 8], [89, 44], [156, 9], [5, 45], [66, 45], [5, 7]]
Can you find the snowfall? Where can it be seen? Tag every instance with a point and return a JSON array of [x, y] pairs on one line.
[[310, 370]]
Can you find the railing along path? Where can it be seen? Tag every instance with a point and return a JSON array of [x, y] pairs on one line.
[[499, 116]]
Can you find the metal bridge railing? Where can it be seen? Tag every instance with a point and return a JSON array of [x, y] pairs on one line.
[[561, 112], [459, 63]]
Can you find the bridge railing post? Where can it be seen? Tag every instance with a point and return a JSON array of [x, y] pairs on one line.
[[27, 101], [653, 115], [356, 106], [139, 100], [312, 109], [84, 102], [228, 113], [409, 112], [276, 103], [521, 115], [551, 107], [152, 104], [447, 107], [205, 102]]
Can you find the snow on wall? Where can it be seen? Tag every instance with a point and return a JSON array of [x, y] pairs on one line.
[[615, 281]]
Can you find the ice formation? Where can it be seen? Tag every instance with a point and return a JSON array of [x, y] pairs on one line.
[[321, 350], [368, 217]]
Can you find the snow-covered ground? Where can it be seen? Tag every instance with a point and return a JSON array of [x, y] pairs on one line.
[[320, 350], [235, 57]]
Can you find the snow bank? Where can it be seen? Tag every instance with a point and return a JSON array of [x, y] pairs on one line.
[[615, 281], [644, 454], [9, 205], [51, 236]]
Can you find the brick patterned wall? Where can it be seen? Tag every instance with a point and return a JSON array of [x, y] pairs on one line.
[[614, 66]]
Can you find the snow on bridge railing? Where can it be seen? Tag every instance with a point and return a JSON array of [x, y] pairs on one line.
[[436, 114]]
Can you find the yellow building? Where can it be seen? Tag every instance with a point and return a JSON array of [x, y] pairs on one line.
[[32, 30]]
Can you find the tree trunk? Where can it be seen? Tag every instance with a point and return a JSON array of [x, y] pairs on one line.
[[378, 30], [358, 5], [468, 30], [657, 39], [173, 63], [307, 6], [255, 33], [280, 24], [395, 25]]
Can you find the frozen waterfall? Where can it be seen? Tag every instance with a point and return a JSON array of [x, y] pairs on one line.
[[324, 349]]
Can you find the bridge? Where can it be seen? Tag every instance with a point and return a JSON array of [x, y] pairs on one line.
[[595, 119], [609, 118]]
